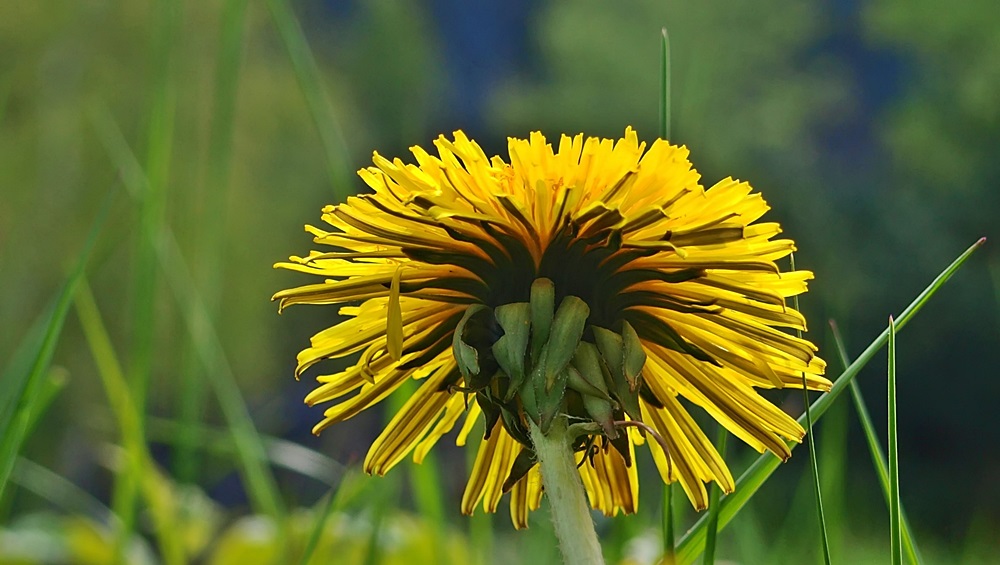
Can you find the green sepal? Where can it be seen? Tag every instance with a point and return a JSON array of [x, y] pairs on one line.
[[523, 463], [567, 329], [601, 411], [528, 392], [617, 385], [612, 350], [587, 360], [465, 355], [514, 426], [579, 383], [491, 412], [543, 305], [550, 401], [634, 356], [509, 350]]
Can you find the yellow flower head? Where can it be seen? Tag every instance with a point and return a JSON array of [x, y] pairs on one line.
[[599, 281]]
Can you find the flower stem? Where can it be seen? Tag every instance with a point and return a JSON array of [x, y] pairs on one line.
[[567, 502]]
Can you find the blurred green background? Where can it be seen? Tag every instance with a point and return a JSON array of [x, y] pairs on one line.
[[871, 127]]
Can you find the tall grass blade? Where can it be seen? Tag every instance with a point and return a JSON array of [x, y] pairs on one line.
[[209, 258], [281, 453], [693, 542], [813, 462], [311, 83], [320, 525], [895, 552], [60, 492], [261, 486], [23, 389], [664, 84], [878, 456], [139, 469], [713, 504], [159, 146], [667, 517]]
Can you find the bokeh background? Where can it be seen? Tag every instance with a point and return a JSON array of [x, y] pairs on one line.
[[871, 127]]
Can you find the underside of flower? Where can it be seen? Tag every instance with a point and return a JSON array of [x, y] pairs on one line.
[[598, 282]]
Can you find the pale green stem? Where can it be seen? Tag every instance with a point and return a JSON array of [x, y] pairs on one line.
[[567, 499]]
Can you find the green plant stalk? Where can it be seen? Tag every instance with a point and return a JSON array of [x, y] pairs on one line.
[[667, 518], [60, 492], [813, 462], [480, 523], [832, 454], [423, 478], [26, 391], [895, 552], [210, 259], [138, 466], [693, 542], [567, 498], [282, 453], [713, 503], [318, 527], [667, 523], [159, 141], [311, 83], [261, 486], [878, 456]]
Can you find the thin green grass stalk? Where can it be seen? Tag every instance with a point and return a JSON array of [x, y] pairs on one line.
[[319, 526], [373, 552], [895, 552], [60, 492], [260, 483], [813, 462], [693, 542], [713, 503], [832, 453], [311, 83], [425, 481], [281, 453], [664, 84], [209, 259], [23, 389], [878, 456], [159, 143], [481, 523], [138, 464], [667, 518]]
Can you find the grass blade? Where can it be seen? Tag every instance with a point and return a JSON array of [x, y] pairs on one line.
[[664, 84], [260, 483], [895, 552], [810, 439], [26, 388], [59, 491], [713, 504], [878, 456], [310, 80], [281, 453], [139, 470], [317, 531], [209, 258], [667, 517], [693, 542]]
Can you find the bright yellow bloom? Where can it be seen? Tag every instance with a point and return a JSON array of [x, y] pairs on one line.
[[451, 272]]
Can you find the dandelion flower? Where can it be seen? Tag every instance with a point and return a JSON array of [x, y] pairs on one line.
[[597, 282]]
